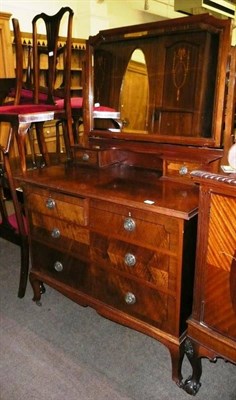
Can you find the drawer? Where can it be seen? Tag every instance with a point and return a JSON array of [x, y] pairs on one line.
[[139, 301], [158, 269], [98, 157], [60, 266], [87, 157], [182, 169], [57, 205], [134, 226], [61, 234]]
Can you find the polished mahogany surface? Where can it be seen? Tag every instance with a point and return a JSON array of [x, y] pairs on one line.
[[120, 183]]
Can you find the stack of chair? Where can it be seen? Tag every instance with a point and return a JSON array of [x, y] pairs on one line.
[[21, 114]]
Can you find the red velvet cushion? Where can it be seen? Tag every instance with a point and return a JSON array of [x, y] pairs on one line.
[[13, 222], [26, 108], [103, 108], [76, 102], [26, 96]]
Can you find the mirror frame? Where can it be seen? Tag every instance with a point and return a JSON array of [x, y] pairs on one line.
[[220, 27]]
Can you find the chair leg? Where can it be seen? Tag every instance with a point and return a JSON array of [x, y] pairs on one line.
[[41, 142], [24, 269], [58, 145]]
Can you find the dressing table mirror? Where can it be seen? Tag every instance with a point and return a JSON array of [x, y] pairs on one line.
[[167, 82]]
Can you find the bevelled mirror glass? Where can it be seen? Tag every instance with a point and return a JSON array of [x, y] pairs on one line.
[[134, 94]]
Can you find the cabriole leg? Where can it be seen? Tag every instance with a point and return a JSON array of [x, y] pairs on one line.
[[192, 384]]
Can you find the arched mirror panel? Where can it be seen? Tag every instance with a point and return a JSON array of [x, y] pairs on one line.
[[134, 95]]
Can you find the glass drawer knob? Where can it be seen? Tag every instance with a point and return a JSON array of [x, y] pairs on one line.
[[58, 266], [50, 203], [85, 157], [129, 224], [130, 260], [130, 298], [183, 170], [55, 233]]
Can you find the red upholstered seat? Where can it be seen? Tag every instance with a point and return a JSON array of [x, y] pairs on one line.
[[26, 108], [76, 102], [103, 108], [13, 222], [26, 96]]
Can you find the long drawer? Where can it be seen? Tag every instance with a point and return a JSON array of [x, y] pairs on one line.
[[143, 264]]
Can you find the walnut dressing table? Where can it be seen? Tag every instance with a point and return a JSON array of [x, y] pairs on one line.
[[115, 229], [119, 240]]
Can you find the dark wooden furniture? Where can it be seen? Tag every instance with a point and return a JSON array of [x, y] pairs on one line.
[[116, 228], [212, 326], [21, 116], [120, 241]]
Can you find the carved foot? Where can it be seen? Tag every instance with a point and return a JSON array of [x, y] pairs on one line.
[[38, 289], [192, 384]]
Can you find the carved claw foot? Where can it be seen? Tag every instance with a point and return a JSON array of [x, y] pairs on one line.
[[191, 386]]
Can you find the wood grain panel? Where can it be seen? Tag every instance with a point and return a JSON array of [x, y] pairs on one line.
[[222, 236], [219, 309]]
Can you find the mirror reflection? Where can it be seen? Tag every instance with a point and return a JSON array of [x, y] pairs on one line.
[[134, 94]]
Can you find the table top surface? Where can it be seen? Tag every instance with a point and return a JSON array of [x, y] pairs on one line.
[[120, 184]]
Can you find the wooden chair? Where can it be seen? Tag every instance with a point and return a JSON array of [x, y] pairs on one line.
[[13, 225], [21, 116]]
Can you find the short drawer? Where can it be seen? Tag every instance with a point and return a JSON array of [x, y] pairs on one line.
[[180, 168], [58, 233], [61, 266], [158, 269], [98, 157], [68, 208], [142, 228], [87, 157]]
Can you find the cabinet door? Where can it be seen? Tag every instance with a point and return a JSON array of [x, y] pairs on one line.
[[219, 302]]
